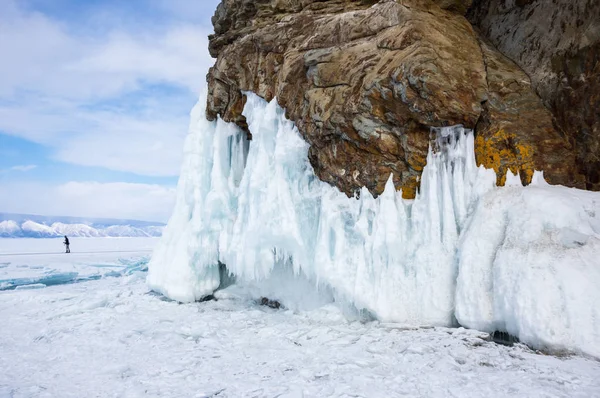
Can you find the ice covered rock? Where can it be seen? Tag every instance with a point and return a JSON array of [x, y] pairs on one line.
[[365, 80], [258, 207], [9, 228], [45, 228], [557, 44]]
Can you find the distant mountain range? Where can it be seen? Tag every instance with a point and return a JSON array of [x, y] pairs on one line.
[[33, 226]]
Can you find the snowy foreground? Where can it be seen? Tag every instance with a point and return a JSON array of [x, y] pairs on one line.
[[522, 260], [112, 337]]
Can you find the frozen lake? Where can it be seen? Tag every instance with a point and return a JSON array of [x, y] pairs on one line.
[[85, 324], [31, 262]]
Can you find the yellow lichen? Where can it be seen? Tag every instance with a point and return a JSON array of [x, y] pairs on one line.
[[417, 160], [503, 151], [409, 188]]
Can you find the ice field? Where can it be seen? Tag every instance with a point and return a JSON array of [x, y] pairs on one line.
[[109, 336], [31, 263]]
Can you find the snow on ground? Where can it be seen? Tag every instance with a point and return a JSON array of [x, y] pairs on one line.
[[112, 337]]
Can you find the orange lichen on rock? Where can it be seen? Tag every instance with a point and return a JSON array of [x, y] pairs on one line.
[[410, 187], [502, 151]]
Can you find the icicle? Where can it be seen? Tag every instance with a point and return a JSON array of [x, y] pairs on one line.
[[258, 206]]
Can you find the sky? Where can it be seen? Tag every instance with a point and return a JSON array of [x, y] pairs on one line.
[[95, 98]]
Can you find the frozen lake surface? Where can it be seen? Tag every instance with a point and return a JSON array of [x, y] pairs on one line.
[[85, 324], [34, 262]]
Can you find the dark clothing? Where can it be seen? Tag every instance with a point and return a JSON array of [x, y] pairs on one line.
[[66, 242]]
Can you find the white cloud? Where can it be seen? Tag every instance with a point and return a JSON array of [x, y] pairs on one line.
[[111, 87], [90, 199], [177, 56], [19, 168], [148, 142], [23, 168], [42, 55], [119, 100]]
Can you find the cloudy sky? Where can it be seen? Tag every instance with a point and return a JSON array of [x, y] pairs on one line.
[[94, 103]]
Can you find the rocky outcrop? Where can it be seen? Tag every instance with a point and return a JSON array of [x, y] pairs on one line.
[[557, 43], [515, 131], [364, 80]]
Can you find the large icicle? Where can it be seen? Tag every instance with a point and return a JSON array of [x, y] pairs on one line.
[[258, 208], [184, 265], [390, 256]]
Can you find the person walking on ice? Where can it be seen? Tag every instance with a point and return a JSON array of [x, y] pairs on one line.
[[66, 242]]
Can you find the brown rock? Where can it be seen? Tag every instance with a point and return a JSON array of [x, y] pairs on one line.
[[364, 80], [515, 131], [557, 43]]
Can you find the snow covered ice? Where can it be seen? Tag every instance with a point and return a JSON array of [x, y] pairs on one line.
[[517, 259], [111, 337], [42, 262]]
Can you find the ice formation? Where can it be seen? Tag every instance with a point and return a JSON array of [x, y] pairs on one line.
[[529, 264], [462, 250]]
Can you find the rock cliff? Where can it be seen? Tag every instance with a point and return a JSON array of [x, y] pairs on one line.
[[557, 43], [365, 80]]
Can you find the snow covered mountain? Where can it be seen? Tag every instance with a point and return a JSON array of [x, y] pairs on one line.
[[32, 226]]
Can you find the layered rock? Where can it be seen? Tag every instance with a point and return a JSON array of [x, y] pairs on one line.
[[515, 131], [364, 80], [558, 45]]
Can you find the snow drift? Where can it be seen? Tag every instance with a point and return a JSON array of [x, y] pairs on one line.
[[522, 260]]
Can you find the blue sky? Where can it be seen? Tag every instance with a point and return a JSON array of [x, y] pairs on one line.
[[94, 103]]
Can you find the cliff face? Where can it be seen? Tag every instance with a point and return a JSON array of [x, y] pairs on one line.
[[364, 80], [558, 45]]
